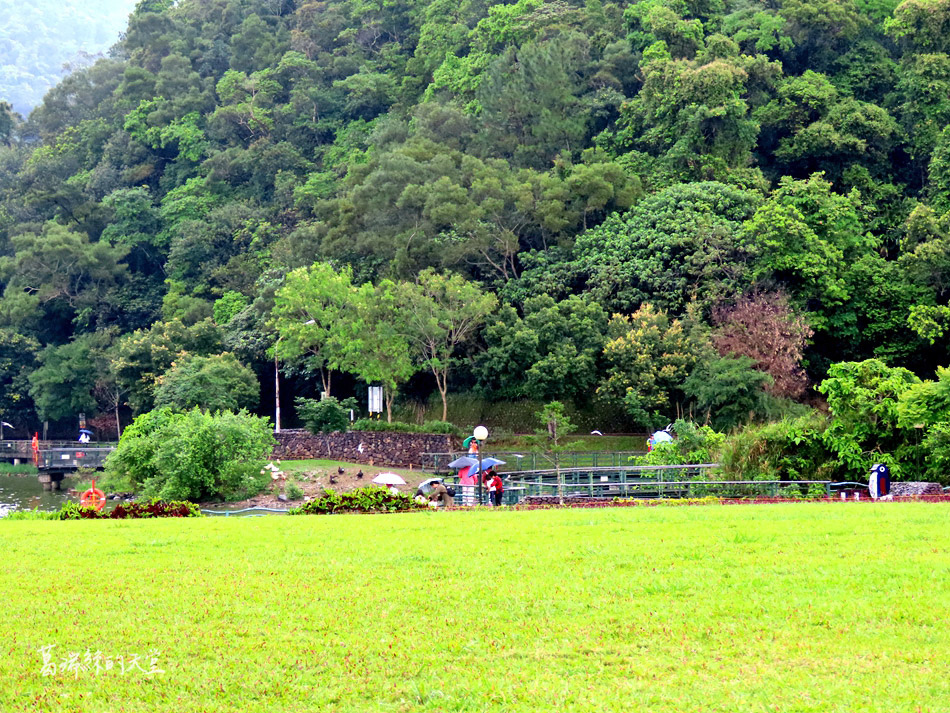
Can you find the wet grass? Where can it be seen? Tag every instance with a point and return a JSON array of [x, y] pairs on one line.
[[760, 608]]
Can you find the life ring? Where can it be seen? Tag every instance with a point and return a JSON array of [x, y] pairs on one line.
[[93, 498]]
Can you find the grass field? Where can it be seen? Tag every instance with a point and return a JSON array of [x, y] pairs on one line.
[[809, 607]]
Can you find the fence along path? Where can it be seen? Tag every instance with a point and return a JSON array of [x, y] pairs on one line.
[[527, 462]]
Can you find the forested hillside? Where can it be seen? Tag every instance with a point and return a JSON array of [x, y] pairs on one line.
[[642, 208], [38, 38]]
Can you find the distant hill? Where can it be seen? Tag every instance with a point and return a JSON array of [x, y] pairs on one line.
[[38, 38]]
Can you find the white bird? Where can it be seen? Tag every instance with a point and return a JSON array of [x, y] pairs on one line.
[[596, 433], [360, 447]]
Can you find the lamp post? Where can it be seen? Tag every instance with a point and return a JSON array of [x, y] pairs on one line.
[[276, 389], [480, 434]]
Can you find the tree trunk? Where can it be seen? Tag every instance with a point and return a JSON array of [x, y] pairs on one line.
[[442, 384], [118, 426], [390, 397]]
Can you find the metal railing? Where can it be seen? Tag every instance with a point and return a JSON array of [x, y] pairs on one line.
[[256, 511], [72, 458], [678, 489], [530, 461]]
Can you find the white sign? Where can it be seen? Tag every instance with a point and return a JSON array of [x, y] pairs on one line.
[[375, 399]]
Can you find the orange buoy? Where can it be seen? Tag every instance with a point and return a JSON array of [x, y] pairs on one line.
[[93, 498]]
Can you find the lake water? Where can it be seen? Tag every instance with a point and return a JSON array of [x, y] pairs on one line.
[[24, 492]]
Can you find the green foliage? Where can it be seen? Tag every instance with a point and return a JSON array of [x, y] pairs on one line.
[[325, 415], [730, 391], [648, 358], [553, 351], [371, 424], [442, 312], [293, 491], [555, 424], [665, 153], [194, 455], [863, 399], [31, 515], [214, 383], [693, 444], [790, 449], [142, 357], [227, 306], [314, 314], [129, 511], [62, 385], [805, 238], [371, 499], [679, 245]]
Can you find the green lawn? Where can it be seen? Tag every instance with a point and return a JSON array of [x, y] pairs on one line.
[[810, 607]]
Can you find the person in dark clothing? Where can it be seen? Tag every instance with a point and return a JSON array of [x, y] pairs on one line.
[[440, 492], [496, 489]]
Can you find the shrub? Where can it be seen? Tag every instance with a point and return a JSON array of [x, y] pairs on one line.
[[31, 515], [693, 444], [370, 424], [370, 499], [193, 455], [129, 511], [323, 416], [443, 427], [792, 449], [294, 492]]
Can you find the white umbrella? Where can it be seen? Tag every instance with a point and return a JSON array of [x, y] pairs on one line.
[[389, 479]]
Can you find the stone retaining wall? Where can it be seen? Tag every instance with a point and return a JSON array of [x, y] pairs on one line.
[[399, 450], [915, 488]]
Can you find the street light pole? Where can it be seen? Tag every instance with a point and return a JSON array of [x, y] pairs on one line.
[[276, 393], [480, 434]]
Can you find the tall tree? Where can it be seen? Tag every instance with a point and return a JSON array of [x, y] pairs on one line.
[[442, 311], [315, 317]]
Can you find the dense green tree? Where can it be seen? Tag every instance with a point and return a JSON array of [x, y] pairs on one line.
[[552, 351], [62, 385], [697, 114], [142, 357], [728, 391], [383, 350], [56, 276], [648, 358], [863, 398], [315, 318], [194, 455], [213, 383], [679, 245], [805, 238], [18, 359]]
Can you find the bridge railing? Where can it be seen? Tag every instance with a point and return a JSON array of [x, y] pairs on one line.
[[520, 461], [682, 489], [72, 458]]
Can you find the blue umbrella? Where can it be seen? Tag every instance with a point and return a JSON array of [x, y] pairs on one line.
[[85, 430], [490, 462], [464, 462]]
